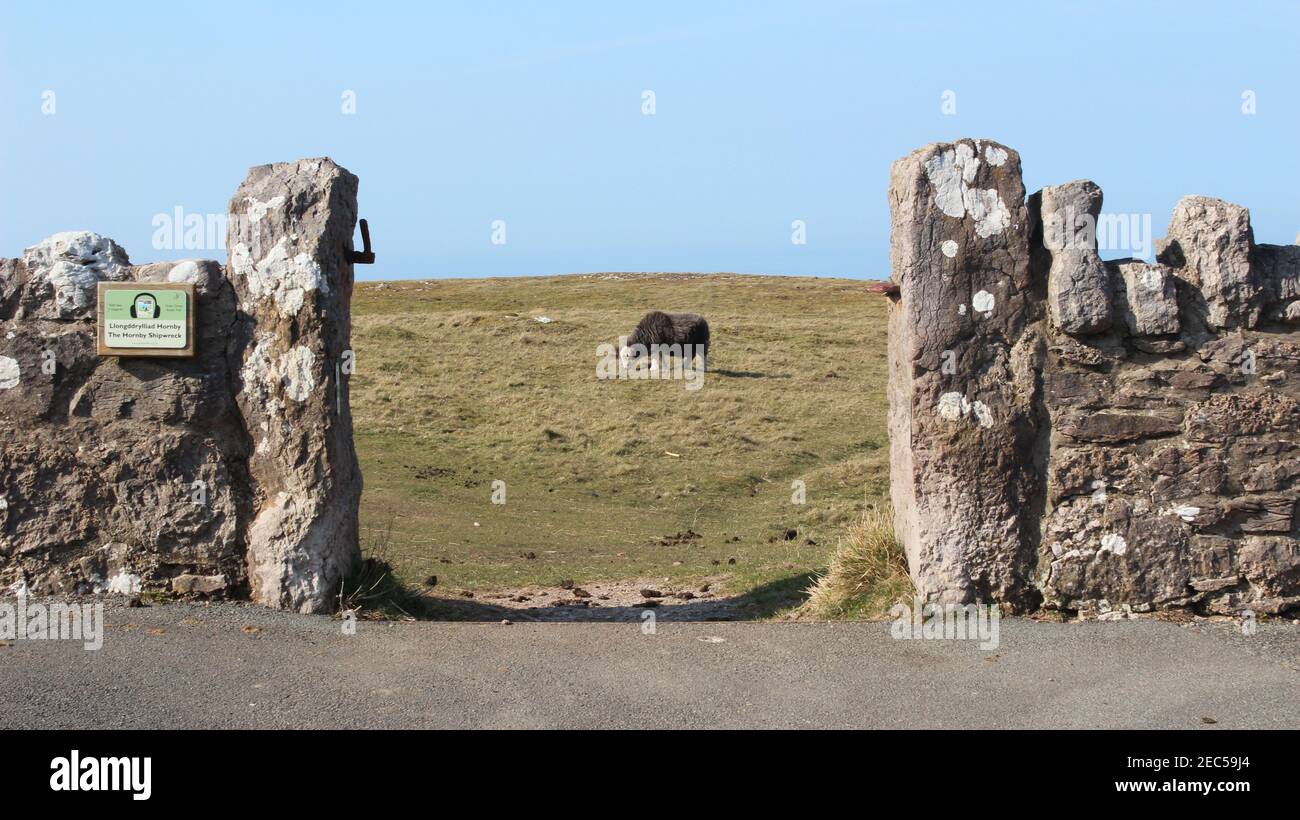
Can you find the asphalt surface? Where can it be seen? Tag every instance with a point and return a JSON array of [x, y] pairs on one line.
[[237, 666]]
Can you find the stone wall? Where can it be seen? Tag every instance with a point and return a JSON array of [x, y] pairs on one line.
[[231, 473], [1087, 435]]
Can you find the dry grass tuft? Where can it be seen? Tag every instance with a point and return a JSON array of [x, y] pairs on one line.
[[373, 591], [867, 574]]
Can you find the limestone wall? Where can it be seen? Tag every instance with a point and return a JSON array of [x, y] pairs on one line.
[[1082, 434], [231, 473]]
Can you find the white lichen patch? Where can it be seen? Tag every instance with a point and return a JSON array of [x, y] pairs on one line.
[[983, 302], [986, 208], [1114, 543], [294, 371], [954, 406], [297, 369], [10, 373], [4, 503], [73, 263], [187, 271], [74, 286], [274, 411], [1153, 279], [951, 173], [256, 372], [1098, 492], [83, 247], [124, 583], [241, 261], [949, 248], [995, 156], [279, 276], [257, 209], [961, 310], [1186, 512]]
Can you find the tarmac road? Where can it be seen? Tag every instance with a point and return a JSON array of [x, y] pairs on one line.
[[237, 666]]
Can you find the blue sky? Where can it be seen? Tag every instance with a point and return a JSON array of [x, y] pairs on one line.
[[531, 113]]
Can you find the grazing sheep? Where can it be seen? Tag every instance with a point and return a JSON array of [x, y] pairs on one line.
[[667, 333]]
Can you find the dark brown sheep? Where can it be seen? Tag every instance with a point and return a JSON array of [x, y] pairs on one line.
[[660, 334]]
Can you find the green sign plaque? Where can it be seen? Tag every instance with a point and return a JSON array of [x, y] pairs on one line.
[[146, 319]]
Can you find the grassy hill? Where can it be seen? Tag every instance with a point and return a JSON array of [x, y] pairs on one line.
[[457, 385]]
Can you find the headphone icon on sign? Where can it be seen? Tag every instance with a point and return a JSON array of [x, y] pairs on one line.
[[145, 306]]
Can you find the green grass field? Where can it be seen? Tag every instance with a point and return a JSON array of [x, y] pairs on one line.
[[457, 386]]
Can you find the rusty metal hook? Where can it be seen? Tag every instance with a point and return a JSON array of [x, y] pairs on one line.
[[363, 257]]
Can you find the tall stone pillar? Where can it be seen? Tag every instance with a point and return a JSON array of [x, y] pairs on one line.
[[288, 239], [962, 373]]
